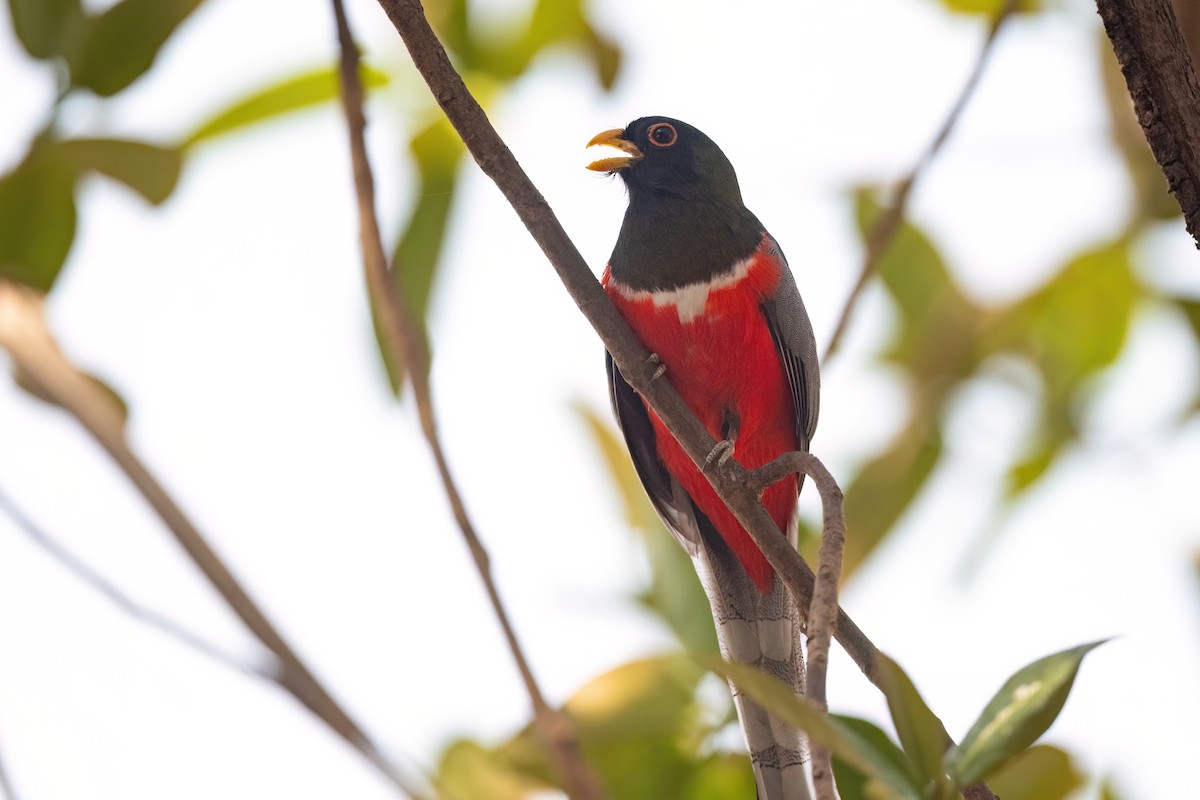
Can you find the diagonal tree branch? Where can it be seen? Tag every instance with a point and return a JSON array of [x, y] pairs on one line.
[[1162, 81], [879, 238], [114, 594], [735, 485], [405, 343], [731, 480], [24, 334]]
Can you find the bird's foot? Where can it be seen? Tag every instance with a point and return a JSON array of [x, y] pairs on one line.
[[654, 363], [721, 452]]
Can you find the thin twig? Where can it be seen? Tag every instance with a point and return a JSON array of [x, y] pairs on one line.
[[405, 343], [885, 226], [111, 592], [822, 615], [24, 334]]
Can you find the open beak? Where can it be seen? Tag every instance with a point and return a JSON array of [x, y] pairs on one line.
[[613, 139]]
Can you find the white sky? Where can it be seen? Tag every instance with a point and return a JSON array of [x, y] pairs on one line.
[[233, 321]]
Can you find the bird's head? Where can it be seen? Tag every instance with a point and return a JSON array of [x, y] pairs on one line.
[[664, 156]]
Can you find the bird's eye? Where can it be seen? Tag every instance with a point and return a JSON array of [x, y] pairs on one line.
[[662, 134]]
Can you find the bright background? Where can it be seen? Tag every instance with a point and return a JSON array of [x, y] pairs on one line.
[[234, 322]]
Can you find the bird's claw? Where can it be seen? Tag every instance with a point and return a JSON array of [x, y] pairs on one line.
[[659, 368], [721, 452]]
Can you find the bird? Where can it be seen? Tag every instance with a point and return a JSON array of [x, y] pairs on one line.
[[710, 295]]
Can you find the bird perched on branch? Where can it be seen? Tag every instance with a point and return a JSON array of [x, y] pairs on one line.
[[708, 291]]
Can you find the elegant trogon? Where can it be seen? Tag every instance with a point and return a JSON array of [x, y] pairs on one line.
[[708, 291]]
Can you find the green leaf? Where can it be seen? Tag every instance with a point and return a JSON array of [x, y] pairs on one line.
[[437, 151], [841, 740], [1020, 712], [290, 94], [120, 45], [921, 733], [1078, 322], [725, 777], [37, 217], [989, 7], [937, 323], [887, 485], [1108, 791], [852, 784], [468, 770], [46, 28], [630, 722], [1040, 773], [149, 170]]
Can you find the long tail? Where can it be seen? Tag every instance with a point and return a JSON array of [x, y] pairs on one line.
[[763, 630]]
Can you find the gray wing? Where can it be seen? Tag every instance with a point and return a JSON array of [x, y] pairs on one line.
[[670, 500], [793, 335]]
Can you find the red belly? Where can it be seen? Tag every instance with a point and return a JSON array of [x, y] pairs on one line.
[[724, 362]]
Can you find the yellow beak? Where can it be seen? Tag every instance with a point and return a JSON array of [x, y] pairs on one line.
[[613, 138]]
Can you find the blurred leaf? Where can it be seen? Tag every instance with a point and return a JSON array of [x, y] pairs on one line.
[[1020, 712], [112, 398], [46, 28], [1108, 791], [1040, 773], [119, 46], [921, 732], [989, 7], [149, 170], [1048, 446], [1070, 329], [606, 58], [37, 217], [852, 784], [437, 151], [467, 771], [630, 723], [290, 94], [726, 777], [639, 512], [1078, 322], [886, 486], [1191, 311], [675, 594], [937, 323], [841, 740], [552, 23]]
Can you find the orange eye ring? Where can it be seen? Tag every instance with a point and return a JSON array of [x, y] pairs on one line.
[[662, 134]]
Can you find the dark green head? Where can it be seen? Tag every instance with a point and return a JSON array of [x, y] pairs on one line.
[[686, 221]]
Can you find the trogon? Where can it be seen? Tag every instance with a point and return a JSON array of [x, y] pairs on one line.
[[709, 293]]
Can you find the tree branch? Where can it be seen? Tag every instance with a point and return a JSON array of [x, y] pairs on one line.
[[1166, 96], [404, 341], [24, 334], [731, 480], [111, 592], [734, 484], [822, 615], [884, 229]]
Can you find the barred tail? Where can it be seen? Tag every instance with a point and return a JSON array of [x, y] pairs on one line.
[[763, 630]]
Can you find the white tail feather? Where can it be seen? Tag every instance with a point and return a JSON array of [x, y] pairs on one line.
[[763, 630]]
